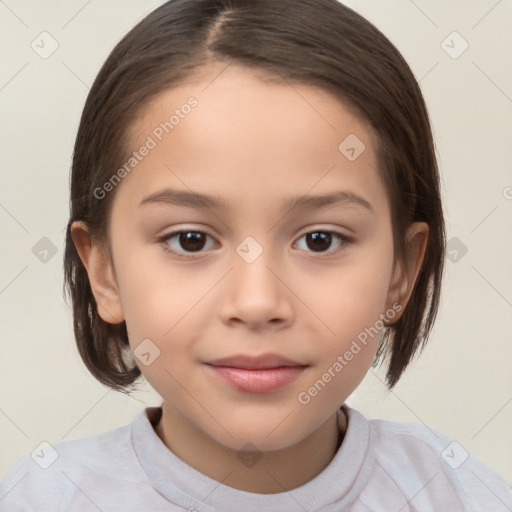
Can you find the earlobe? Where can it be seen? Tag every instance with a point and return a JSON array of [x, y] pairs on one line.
[[100, 272], [406, 273]]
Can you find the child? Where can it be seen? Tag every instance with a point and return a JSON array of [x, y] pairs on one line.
[[221, 141]]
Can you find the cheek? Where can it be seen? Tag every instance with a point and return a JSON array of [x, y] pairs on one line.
[[353, 313], [159, 305], [352, 303], [172, 303], [156, 295], [352, 296]]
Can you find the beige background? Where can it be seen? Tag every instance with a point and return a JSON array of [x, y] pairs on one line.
[[462, 384]]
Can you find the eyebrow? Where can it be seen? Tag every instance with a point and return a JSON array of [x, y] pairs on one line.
[[198, 200]]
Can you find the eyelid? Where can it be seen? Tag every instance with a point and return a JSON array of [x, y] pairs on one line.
[[345, 240], [163, 239]]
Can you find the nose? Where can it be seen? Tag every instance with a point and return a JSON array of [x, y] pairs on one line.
[[256, 295]]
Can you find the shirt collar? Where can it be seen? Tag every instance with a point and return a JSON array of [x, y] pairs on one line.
[[339, 483]]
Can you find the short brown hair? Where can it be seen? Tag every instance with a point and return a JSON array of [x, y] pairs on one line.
[[315, 42]]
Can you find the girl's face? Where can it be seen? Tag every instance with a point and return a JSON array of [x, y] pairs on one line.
[[255, 276]]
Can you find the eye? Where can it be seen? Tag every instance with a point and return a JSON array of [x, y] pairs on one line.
[[186, 243], [190, 240], [319, 241]]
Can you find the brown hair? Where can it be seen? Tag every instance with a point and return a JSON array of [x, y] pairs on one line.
[[315, 42]]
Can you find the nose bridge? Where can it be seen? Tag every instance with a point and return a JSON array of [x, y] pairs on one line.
[[255, 293], [251, 266]]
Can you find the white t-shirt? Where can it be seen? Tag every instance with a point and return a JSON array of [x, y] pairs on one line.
[[380, 466]]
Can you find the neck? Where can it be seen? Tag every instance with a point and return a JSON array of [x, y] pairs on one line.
[[261, 472]]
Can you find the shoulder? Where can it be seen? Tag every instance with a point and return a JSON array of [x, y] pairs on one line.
[[70, 472], [422, 463]]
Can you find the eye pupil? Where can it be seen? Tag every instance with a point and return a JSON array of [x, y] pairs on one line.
[[195, 241], [322, 241], [192, 240]]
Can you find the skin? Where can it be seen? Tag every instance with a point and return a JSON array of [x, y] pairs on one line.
[[255, 144]]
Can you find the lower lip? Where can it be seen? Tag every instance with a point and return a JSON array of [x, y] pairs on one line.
[[258, 381]]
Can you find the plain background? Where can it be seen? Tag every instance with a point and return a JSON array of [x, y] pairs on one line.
[[462, 383]]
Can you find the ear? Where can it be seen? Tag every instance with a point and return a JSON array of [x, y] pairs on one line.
[[405, 273], [101, 274]]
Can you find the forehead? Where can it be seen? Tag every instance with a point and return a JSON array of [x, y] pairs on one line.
[[231, 96], [231, 129]]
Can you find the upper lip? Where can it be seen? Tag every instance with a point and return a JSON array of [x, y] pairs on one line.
[[262, 362]]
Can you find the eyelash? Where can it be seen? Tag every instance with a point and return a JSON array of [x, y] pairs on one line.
[[345, 240]]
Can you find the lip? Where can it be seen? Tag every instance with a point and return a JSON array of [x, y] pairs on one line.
[[262, 362], [262, 374]]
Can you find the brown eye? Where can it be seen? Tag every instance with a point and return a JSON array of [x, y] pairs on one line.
[[192, 240], [183, 242], [321, 241]]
